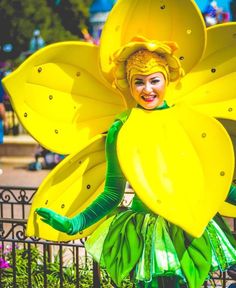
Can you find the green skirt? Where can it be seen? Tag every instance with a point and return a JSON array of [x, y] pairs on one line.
[[157, 253]]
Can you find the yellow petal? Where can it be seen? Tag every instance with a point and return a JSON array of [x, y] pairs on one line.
[[173, 159], [160, 20], [69, 189], [211, 84], [60, 97]]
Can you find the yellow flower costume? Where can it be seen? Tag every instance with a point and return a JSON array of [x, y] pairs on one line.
[[65, 96]]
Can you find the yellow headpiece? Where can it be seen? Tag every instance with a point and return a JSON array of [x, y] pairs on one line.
[[142, 56], [146, 62]]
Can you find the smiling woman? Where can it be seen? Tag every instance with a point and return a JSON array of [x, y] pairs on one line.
[[147, 74], [148, 91], [151, 226], [162, 138]]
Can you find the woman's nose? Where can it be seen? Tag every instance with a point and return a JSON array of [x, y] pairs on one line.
[[147, 87]]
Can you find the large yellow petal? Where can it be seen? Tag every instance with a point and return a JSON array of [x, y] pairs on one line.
[[211, 84], [61, 98], [164, 20], [69, 189], [180, 163]]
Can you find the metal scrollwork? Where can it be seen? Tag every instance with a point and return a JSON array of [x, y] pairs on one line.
[[22, 195], [20, 234], [18, 230], [34, 239], [6, 195]]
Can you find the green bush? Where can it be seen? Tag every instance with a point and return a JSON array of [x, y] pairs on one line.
[[22, 257]]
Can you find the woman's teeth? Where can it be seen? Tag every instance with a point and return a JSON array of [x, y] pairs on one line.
[[148, 98]]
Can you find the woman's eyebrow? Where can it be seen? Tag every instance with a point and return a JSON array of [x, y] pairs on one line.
[[155, 77]]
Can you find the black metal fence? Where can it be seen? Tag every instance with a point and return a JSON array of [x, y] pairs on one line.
[[32, 262]]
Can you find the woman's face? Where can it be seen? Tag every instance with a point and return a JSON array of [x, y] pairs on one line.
[[148, 90]]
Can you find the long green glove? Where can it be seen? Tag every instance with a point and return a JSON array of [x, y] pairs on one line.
[[104, 204], [55, 220]]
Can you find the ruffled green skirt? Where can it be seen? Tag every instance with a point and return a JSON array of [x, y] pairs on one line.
[[156, 253]]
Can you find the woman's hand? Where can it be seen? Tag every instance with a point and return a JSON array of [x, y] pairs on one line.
[[57, 221]]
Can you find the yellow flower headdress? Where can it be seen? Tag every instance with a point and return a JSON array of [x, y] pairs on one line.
[[146, 62], [142, 56]]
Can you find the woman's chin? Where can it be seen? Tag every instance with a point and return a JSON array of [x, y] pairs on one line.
[[150, 105]]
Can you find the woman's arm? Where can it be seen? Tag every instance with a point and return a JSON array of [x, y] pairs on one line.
[[104, 204]]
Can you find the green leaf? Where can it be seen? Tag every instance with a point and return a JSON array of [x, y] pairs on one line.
[[123, 245], [194, 255], [225, 228]]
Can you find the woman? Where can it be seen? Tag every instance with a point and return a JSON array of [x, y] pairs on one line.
[[138, 242]]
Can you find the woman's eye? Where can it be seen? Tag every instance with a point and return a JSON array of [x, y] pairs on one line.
[[155, 81], [138, 83]]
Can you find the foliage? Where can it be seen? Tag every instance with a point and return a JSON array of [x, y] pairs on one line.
[[18, 20], [22, 257], [74, 15]]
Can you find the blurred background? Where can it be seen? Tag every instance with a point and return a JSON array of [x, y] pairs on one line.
[[29, 25], [26, 26]]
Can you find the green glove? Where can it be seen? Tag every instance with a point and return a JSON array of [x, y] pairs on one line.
[[104, 203], [55, 220]]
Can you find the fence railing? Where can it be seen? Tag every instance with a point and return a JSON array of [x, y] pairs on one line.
[[37, 263], [34, 262]]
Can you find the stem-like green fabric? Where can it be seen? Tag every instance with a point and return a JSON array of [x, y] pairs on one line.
[[104, 204], [113, 190]]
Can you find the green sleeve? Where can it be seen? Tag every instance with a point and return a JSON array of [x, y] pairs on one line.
[[113, 190]]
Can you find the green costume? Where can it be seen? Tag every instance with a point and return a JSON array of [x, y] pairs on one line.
[[66, 91], [139, 243]]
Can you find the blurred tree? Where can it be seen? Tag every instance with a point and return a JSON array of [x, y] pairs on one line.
[[56, 20], [74, 14]]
